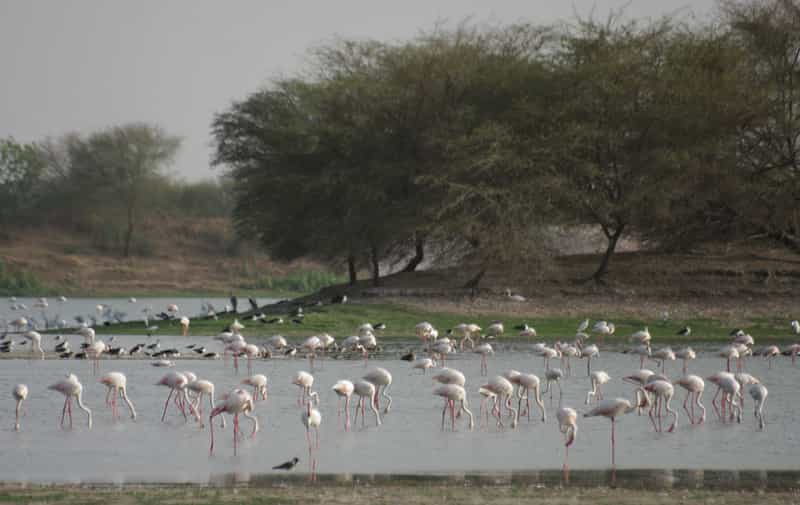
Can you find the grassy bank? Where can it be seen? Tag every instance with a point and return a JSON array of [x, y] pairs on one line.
[[380, 494], [343, 320]]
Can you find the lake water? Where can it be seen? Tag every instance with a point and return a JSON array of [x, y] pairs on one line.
[[409, 442], [133, 311]]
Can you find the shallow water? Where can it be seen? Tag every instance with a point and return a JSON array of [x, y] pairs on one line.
[[409, 442]]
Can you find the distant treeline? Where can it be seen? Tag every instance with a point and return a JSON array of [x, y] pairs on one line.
[[105, 184], [476, 138]]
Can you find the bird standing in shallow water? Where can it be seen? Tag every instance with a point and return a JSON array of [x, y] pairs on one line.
[[20, 394], [236, 402], [288, 465], [71, 388]]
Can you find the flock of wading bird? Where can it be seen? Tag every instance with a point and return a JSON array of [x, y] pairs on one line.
[[653, 391]]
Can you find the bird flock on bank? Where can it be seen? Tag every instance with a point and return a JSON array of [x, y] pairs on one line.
[[505, 398]]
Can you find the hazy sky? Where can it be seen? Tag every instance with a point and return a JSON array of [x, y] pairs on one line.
[[79, 65]]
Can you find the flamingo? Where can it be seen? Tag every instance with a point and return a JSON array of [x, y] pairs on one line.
[[303, 380], [568, 425], [663, 391], [484, 350], [528, 382], [731, 389], [278, 342], [36, 341], [770, 352], [20, 394], [117, 383], [311, 344], [662, 356], [177, 383], [612, 409], [344, 389], [504, 390], [551, 376], [589, 352], [71, 388], [729, 352], [365, 390], [693, 385], [382, 380], [486, 395], [643, 351], [793, 350], [93, 352], [549, 353], [423, 364], [311, 418], [259, 383], [759, 394], [236, 402], [641, 336], [424, 331], [495, 330], [685, 354], [568, 351], [203, 387], [603, 328], [598, 378], [745, 379], [185, 326], [442, 347], [453, 393], [527, 331]]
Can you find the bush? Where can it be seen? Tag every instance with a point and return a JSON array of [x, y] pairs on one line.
[[300, 281], [21, 282]]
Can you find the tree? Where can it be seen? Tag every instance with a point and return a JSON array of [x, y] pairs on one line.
[[117, 164], [768, 150], [21, 171]]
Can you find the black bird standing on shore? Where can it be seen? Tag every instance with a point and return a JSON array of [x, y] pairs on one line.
[[234, 302], [288, 465], [684, 332]]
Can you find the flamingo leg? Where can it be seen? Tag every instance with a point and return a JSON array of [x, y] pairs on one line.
[[613, 463], [347, 413], [235, 432], [64, 411], [166, 404], [69, 411]]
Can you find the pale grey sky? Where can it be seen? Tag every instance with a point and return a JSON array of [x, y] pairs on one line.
[[81, 65]]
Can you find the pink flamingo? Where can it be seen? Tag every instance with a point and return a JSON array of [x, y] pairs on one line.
[[484, 350], [203, 387], [685, 354], [504, 390], [304, 381], [116, 382], [759, 394], [344, 389], [259, 383], [453, 393], [528, 382], [20, 394], [612, 409], [365, 390], [382, 380], [694, 386], [598, 378], [486, 396], [236, 402], [770, 352], [663, 391], [311, 418], [589, 352], [177, 383], [568, 425], [731, 389], [36, 341], [71, 388]]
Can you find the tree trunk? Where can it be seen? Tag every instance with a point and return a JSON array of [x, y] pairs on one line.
[[129, 232], [351, 269], [419, 255], [376, 266], [613, 238], [475, 281]]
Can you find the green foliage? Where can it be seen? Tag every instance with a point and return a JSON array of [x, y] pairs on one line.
[[20, 176]]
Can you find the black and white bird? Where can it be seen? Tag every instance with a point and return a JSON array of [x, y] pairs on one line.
[[685, 331], [288, 465], [274, 320], [409, 357], [137, 348], [339, 299], [379, 326], [253, 303]]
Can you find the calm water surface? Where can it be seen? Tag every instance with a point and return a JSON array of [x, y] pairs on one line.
[[409, 442]]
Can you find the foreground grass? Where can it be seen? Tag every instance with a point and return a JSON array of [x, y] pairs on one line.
[[380, 494], [343, 320]]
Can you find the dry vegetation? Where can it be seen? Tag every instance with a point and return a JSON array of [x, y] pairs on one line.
[[189, 256]]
